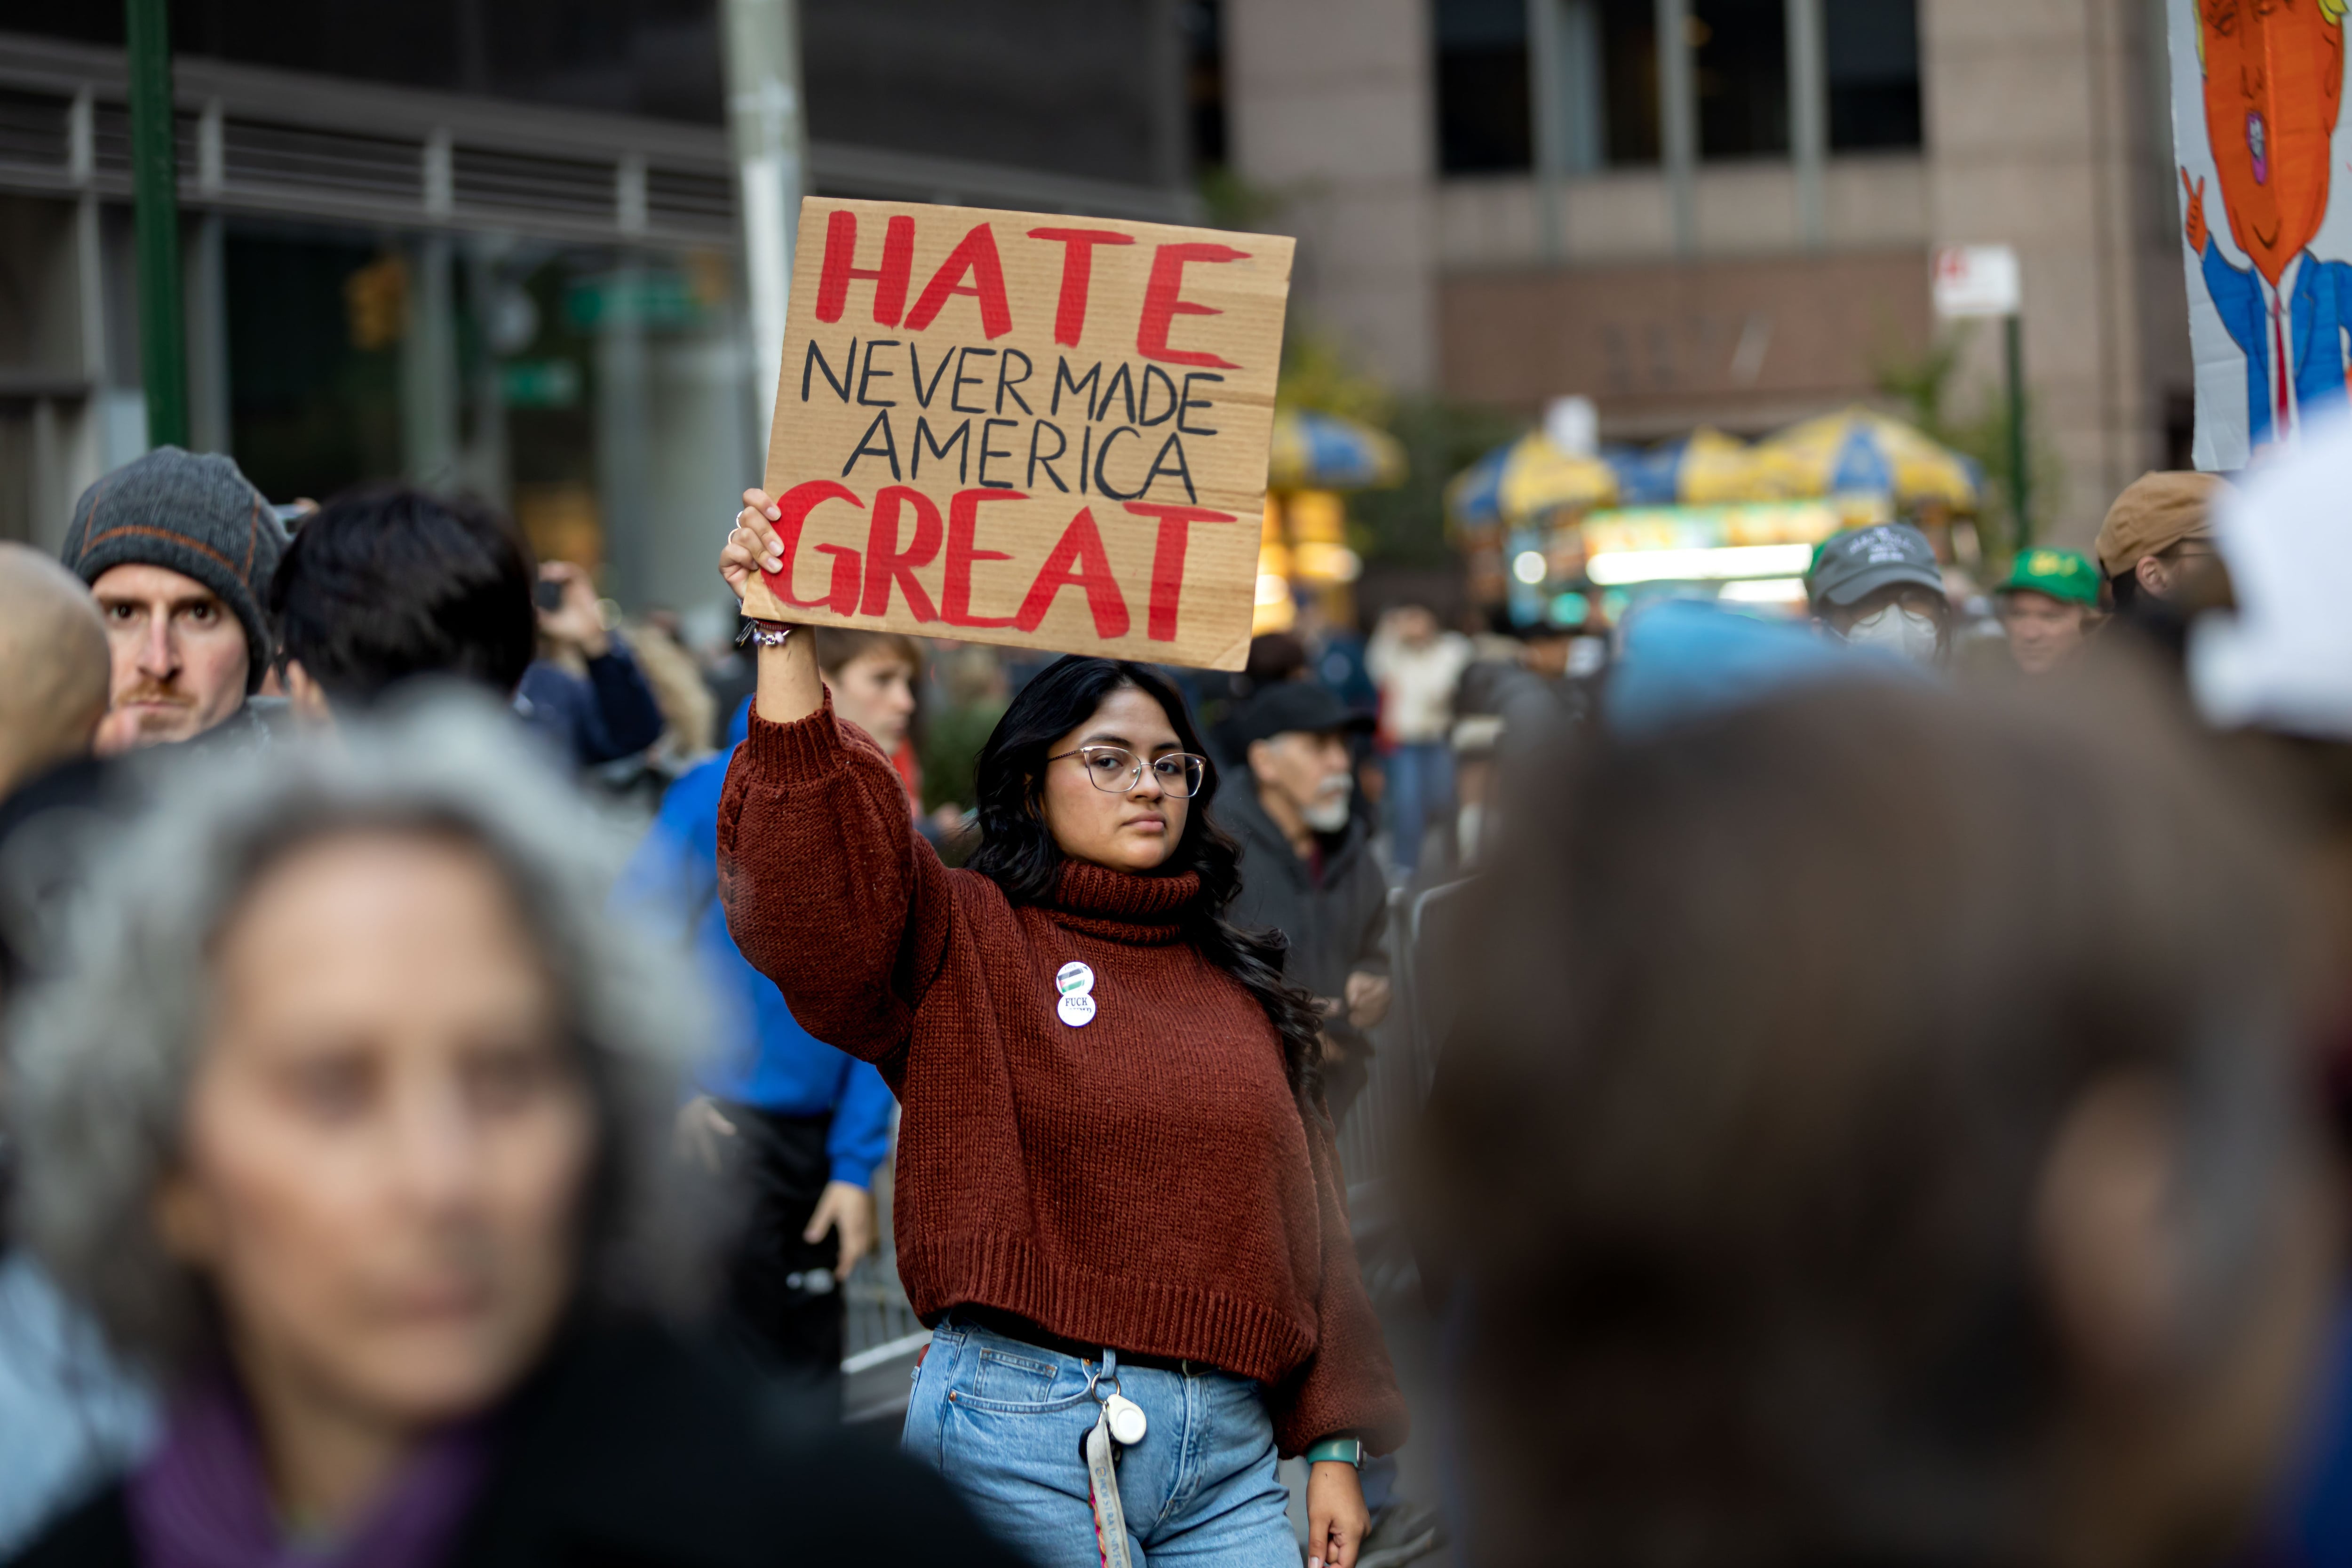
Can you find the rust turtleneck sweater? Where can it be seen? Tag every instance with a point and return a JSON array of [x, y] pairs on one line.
[[1145, 1181]]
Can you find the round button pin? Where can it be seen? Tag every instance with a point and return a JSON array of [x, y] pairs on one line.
[[1076, 1008], [1074, 979]]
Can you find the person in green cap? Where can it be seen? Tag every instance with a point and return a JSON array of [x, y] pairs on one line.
[[2048, 606]]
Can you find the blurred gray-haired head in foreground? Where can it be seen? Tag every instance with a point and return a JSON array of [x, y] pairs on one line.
[[104, 1055], [1880, 1133]]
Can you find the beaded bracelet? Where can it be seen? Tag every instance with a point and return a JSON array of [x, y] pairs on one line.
[[764, 634]]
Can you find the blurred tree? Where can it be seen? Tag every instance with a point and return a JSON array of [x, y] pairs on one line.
[[1403, 526], [1228, 201], [1317, 373], [1406, 526], [1922, 382]]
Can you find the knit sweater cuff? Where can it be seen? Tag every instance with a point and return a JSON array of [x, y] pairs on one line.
[[804, 749]]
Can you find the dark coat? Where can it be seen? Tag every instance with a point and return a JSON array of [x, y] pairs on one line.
[[1336, 926], [633, 1450]]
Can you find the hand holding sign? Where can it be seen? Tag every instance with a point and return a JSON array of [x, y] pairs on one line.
[[752, 548], [1060, 443]]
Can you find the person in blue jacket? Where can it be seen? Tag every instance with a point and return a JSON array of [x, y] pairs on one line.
[[801, 1124]]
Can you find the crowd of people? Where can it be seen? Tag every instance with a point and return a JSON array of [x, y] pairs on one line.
[[1881, 1076]]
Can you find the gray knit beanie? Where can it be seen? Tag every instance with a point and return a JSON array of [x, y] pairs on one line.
[[192, 514]]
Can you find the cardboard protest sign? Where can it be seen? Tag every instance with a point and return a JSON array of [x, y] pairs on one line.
[[2256, 94], [1019, 428]]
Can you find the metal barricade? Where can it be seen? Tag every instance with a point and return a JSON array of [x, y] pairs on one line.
[[879, 1317]]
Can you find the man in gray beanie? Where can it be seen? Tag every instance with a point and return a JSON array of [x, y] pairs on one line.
[[178, 548]]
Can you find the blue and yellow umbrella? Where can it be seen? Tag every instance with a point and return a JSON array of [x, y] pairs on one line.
[[1312, 451], [1522, 484], [1705, 468], [1861, 450]]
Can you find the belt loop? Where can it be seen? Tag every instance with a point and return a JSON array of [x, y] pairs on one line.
[[1110, 1366]]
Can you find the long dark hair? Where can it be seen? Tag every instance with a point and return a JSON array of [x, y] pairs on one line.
[[1018, 852]]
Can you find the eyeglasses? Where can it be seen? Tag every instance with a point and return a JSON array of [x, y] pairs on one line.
[[1115, 770]]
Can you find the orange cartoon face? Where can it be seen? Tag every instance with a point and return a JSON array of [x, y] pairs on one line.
[[2274, 81]]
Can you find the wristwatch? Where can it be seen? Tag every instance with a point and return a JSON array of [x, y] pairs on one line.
[[1338, 1450]]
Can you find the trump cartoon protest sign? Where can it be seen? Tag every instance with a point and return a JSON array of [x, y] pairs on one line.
[[2256, 90], [1027, 429]]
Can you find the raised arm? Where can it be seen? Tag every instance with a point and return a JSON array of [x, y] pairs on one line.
[[829, 891]]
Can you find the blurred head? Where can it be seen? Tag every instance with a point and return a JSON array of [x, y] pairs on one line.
[[1548, 650], [872, 677], [2044, 631], [346, 1081], [2048, 605], [178, 548], [1970, 1215], [385, 1141], [54, 665], [1881, 588], [1905, 619], [1309, 772], [2175, 573], [1413, 623], [387, 583], [1294, 735], [688, 710], [2155, 525], [1274, 657]]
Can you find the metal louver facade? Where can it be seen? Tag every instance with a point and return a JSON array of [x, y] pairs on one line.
[[263, 142]]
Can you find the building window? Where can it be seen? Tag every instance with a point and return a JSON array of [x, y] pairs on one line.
[[1204, 82], [1604, 78], [1620, 38], [315, 389], [1483, 124], [1740, 61], [1873, 48]]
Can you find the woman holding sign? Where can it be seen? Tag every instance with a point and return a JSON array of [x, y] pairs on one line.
[[1118, 1200]]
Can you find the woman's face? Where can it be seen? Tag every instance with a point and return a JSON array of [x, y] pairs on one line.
[[1135, 831], [876, 692], [387, 1138]]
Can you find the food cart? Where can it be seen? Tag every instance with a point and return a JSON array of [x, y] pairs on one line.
[[1705, 514]]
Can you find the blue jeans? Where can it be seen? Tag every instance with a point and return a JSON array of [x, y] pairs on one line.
[[1002, 1420], [1420, 787]]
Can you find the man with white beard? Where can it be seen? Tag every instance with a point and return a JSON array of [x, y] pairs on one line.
[[1308, 868], [1308, 871]]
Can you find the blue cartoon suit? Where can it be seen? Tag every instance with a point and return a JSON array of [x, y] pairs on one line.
[[2318, 318]]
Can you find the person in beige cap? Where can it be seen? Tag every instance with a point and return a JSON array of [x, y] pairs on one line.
[[2158, 537]]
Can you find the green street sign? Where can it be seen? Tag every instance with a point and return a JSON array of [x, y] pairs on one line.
[[647, 299], [539, 383]]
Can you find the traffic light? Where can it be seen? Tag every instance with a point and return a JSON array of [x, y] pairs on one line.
[[376, 296]]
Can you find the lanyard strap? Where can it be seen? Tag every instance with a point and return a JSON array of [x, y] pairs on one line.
[[1102, 1491], [1100, 1452]]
